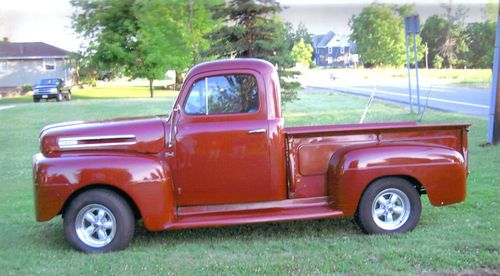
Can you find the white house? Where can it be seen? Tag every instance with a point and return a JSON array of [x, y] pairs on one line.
[[24, 63]]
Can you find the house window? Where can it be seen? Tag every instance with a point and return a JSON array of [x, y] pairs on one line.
[[330, 60], [330, 50], [342, 50], [4, 67], [49, 64]]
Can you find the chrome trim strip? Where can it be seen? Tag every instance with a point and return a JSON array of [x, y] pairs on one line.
[[96, 145], [72, 142], [260, 130]]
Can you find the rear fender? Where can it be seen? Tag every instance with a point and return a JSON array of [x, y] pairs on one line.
[[145, 179], [439, 170]]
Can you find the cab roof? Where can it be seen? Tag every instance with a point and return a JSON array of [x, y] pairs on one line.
[[259, 65]]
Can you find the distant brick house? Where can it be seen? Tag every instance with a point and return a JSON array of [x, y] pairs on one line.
[[24, 63], [333, 50]]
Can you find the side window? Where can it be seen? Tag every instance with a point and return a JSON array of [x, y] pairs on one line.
[[196, 101], [222, 95]]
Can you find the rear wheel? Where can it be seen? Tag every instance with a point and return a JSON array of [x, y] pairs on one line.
[[99, 221], [389, 205]]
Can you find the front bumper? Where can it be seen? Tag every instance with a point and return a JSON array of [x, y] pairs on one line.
[[45, 96], [49, 191]]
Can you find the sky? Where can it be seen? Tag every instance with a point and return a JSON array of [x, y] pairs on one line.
[[49, 20]]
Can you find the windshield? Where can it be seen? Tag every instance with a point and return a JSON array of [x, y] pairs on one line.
[[49, 82]]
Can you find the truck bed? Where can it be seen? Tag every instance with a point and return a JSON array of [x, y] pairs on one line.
[[310, 148]]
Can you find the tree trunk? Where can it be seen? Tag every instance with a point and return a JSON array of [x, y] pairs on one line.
[[151, 89], [178, 80]]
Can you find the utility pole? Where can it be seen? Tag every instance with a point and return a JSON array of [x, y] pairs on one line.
[[426, 56], [494, 114]]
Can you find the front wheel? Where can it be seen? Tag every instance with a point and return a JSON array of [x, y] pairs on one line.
[[389, 205], [99, 221]]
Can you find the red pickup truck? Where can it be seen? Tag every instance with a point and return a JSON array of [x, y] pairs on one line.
[[223, 157]]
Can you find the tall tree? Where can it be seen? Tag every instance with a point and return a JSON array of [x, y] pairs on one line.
[[433, 34], [302, 33], [143, 38], [378, 32], [445, 36], [252, 29]]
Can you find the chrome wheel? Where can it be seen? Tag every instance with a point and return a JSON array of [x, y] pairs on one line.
[[391, 209], [95, 225]]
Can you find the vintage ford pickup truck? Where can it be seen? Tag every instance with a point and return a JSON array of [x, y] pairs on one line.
[[223, 157]]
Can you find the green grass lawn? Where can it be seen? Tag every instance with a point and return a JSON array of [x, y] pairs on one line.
[[479, 78], [461, 237], [102, 92]]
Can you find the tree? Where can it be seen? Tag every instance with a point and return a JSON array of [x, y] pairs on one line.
[[159, 22], [378, 32], [433, 34], [302, 33], [480, 38], [445, 35], [302, 53], [143, 38], [253, 30]]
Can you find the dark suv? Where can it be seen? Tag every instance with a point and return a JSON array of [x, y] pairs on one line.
[[51, 89]]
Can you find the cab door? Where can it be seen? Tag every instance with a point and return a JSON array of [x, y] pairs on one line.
[[221, 141]]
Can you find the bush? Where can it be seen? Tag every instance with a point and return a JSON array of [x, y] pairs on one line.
[[437, 62], [26, 88]]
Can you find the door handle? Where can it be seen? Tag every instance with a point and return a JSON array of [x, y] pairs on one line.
[[254, 131]]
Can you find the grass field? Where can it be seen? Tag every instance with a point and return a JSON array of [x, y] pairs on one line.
[[457, 238], [102, 92], [479, 78]]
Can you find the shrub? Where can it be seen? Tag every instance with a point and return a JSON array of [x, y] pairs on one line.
[[26, 88], [437, 62]]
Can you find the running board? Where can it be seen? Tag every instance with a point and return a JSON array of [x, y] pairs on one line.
[[231, 214]]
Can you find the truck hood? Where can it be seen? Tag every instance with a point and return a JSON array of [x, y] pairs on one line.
[[141, 134]]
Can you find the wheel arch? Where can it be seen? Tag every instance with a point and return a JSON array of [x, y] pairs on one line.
[[410, 179], [109, 187], [434, 170]]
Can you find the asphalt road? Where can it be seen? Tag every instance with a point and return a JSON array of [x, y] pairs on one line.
[[471, 101]]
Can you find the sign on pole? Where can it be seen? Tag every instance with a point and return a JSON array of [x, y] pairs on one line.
[[412, 27]]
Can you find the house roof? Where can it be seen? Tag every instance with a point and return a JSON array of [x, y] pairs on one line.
[[30, 50], [331, 39], [322, 40]]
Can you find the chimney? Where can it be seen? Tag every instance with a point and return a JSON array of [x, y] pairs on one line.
[[5, 39]]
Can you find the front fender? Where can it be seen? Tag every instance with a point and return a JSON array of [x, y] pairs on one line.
[[440, 170], [144, 178]]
